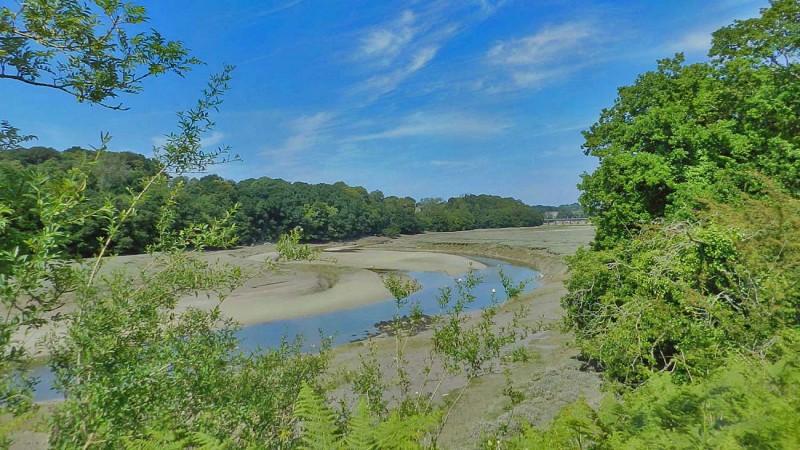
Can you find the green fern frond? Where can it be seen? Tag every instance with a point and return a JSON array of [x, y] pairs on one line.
[[169, 440], [404, 433], [202, 441], [361, 430], [319, 421]]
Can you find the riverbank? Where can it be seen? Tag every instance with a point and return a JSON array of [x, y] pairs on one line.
[[344, 277], [551, 378]]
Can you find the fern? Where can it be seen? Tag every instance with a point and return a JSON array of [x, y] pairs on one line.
[[319, 421], [320, 432], [404, 433], [361, 430], [169, 440]]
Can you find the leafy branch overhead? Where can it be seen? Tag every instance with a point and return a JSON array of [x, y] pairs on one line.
[[89, 50]]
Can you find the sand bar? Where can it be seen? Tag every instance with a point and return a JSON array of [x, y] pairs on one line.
[[310, 288], [296, 289]]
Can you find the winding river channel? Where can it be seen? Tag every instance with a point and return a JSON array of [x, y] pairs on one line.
[[359, 323]]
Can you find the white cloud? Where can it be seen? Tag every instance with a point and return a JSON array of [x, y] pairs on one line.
[[159, 141], [385, 42], [393, 51], [543, 47], [454, 125], [252, 14], [379, 85], [306, 132], [490, 7], [450, 164], [214, 139], [551, 53], [205, 141], [278, 8], [692, 42]]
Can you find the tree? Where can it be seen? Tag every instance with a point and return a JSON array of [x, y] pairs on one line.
[[88, 50], [688, 298], [400, 217], [698, 179]]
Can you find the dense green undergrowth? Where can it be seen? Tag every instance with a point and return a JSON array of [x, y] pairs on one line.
[[689, 299], [744, 402]]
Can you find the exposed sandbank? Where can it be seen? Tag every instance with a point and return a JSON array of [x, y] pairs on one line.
[[309, 288], [296, 289]]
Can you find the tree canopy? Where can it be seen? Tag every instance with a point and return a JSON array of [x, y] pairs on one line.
[[688, 299], [93, 51], [267, 207], [699, 130]]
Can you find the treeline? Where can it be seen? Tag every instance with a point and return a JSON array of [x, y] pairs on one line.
[[265, 208], [688, 299], [476, 211], [570, 211]]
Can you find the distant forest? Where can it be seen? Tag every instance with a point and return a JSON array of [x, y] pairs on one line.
[[266, 207]]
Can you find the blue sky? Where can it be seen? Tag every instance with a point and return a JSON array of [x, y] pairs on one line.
[[430, 98]]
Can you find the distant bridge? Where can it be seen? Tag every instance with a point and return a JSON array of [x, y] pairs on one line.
[[567, 221]]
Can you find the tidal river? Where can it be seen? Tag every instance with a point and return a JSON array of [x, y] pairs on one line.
[[358, 323]]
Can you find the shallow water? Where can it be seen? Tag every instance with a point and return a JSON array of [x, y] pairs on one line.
[[357, 323]]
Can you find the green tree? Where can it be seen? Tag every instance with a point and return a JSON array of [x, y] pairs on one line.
[[90, 50], [704, 129]]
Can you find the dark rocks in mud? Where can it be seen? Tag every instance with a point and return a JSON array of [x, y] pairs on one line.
[[408, 325]]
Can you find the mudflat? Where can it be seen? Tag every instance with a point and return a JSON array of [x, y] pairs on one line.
[[343, 277], [552, 378]]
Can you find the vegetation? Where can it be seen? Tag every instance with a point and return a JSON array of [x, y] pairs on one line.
[[91, 51], [707, 152], [290, 249], [135, 371], [476, 211], [267, 208], [688, 300]]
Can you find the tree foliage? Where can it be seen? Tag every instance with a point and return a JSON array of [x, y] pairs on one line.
[[688, 299], [476, 211], [265, 208], [695, 202], [681, 295], [700, 130], [91, 50]]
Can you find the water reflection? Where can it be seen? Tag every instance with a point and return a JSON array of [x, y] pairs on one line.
[[357, 323]]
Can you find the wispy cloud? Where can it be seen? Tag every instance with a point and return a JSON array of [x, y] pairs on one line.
[[249, 16], [394, 51], [385, 83], [692, 42], [698, 39], [489, 6], [214, 139], [452, 164], [305, 133], [278, 8], [454, 125], [385, 42], [551, 53], [540, 48]]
